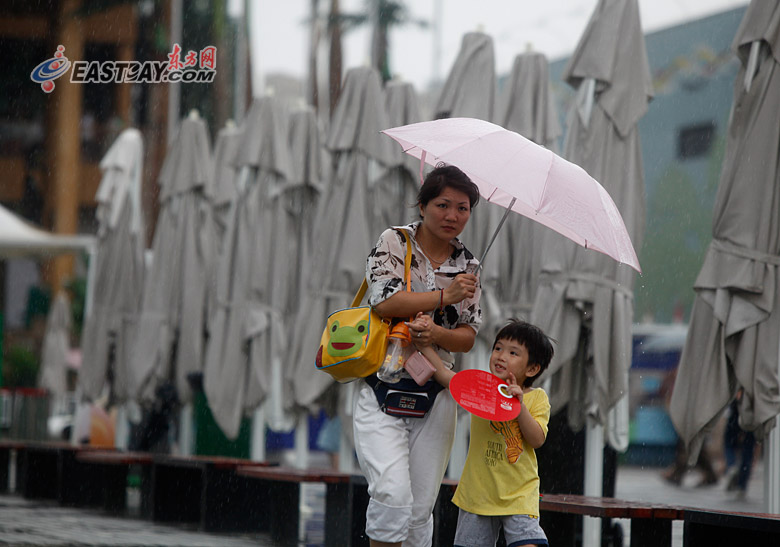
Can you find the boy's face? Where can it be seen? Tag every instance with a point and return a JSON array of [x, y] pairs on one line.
[[511, 356]]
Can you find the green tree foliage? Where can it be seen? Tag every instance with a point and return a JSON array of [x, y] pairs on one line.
[[679, 229], [383, 16], [20, 367]]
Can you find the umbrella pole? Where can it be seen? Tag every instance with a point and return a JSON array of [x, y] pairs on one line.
[[495, 233], [772, 466], [594, 479]]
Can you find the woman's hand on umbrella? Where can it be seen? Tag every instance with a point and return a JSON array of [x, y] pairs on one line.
[[421, 329], [462, 287]]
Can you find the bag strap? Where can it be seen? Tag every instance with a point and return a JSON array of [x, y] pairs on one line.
[[407, 271]]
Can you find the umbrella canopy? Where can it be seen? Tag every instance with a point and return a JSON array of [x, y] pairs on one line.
[[247, 330], [527, 108], [343, 233], [170, 342], [118, 272], [20, 238], [56, 347], [395, 194], [518, 174], [732, 336], [584, 300]]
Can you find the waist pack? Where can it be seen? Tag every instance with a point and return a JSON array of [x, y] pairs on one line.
[[404, 399], [354, 342]]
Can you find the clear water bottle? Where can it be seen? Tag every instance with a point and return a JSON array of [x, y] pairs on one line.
[[393, 365]]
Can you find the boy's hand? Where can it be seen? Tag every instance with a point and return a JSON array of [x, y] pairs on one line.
[[513, 388]]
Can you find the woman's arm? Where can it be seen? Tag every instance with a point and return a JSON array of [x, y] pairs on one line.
[[460, 339], [425, 332], [408, 304]]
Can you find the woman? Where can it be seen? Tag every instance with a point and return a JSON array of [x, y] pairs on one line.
[[404, 459]]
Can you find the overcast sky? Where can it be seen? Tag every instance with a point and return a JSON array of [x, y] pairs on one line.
[[279, 35]]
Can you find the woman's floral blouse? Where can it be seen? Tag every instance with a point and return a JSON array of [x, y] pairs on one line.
[[385, 276]]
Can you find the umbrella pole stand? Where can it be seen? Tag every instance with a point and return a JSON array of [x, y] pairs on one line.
[[495, 233]]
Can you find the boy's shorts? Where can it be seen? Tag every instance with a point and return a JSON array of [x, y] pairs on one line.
[[482, 531]]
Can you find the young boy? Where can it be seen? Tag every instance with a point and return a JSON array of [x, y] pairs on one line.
[[500, 481]]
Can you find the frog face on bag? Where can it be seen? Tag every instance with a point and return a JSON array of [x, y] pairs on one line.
[[346, 339]]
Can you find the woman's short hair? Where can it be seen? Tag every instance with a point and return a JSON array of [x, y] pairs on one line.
[[447, 176]]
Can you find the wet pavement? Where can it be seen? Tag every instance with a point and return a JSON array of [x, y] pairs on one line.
[[31, 522], [648, 485]]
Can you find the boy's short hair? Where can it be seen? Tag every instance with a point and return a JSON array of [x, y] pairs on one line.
[[536, 342]]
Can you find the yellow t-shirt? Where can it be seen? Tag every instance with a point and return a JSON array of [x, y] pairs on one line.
[[501, 475]]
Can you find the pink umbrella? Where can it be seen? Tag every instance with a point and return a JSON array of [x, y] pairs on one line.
[[524, 177]]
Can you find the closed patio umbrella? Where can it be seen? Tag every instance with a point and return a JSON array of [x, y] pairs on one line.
[[56, 347], [470, 92], [732, 339], [527, 107], [245, 329], [585, 300], [117, 281], [395, 194], [170, 342], [225, 176], [470, 89], [302, 194], [343, 229], [292, 209]]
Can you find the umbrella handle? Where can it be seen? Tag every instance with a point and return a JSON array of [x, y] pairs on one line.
[[495, 234]]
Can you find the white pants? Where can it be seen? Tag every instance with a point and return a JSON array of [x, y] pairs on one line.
[[404, 460]]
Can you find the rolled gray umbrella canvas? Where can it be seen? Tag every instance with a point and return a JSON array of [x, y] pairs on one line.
[[585, 300], [117, 282], [470, 89], [732, 339], [246, 330], [225, 176], [170, 341], [394, 195], [301, 196], [343, 228], [527, 107], [293, 206], [56, 346]]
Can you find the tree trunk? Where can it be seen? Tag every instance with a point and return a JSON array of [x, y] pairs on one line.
[[335, 56], [222, 80], [314, 44]]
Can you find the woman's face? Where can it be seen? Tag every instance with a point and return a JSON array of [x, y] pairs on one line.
[[446, 215]]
